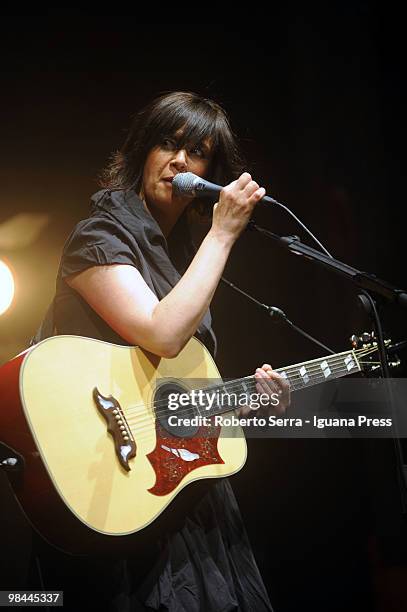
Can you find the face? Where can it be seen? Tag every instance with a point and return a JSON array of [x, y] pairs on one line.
[[165, 161]]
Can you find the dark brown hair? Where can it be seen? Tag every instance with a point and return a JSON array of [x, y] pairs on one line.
[[200, 118]]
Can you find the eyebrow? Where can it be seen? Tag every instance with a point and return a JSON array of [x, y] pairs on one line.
[[178, 137], [206, 147]]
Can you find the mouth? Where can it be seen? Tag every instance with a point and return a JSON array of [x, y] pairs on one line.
[[168, 179]]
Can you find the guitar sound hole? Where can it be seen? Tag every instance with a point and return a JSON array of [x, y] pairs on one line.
[[163, 412]]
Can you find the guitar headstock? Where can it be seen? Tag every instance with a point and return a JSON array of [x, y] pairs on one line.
[[366, 341], [366, 348]]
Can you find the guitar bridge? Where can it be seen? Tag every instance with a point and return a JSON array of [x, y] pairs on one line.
[[117, 426]]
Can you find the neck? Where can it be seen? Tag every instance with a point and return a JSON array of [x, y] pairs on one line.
[[223, 397], [165, 221], [167, 218]]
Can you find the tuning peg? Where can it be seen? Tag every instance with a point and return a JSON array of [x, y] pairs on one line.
[[395, 363], [354, 340]]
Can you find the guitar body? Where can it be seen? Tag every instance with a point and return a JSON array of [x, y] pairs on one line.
[[76, 488]]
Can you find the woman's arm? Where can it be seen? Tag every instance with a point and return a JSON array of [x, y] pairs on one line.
[[119, 294]]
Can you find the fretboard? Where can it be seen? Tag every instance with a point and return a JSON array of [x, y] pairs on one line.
[[299, 376]]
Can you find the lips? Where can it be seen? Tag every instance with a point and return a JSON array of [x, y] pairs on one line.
[[168, 179]]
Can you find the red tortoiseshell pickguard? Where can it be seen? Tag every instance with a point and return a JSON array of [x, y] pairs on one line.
[[170, 469]]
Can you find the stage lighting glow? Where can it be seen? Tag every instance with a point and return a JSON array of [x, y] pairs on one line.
[[6, 287]]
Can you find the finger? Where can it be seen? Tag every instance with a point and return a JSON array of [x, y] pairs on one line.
[[283, 390], [250, 188], [280, 380], [260, 377], [265, 381], [264, 389], [257, 196], [253, 189], [243, 180], [269, 400], [260, 391], [270, 382], [281, 385], [267, 372]]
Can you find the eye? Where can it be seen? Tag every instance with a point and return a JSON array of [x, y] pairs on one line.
[[198, 151], [168, 144]]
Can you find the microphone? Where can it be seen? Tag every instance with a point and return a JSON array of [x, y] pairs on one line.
[[189, 184]]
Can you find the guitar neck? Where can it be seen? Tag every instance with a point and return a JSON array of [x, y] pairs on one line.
[[299, 376]]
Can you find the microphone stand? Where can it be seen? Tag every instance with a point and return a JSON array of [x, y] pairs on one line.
[[363, 280], [366, 282], [278, 315]]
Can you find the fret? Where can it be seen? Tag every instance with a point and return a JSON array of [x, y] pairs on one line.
[[320, 370], [299, 376], [326, 369]]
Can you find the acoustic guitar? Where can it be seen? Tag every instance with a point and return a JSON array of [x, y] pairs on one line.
[[88, 426]]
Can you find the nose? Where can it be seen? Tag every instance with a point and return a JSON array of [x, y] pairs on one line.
[[180, 160]]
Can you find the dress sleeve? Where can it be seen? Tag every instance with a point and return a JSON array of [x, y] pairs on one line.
[[98, 242]]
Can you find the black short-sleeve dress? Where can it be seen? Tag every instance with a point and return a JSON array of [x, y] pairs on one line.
[[205, 562]]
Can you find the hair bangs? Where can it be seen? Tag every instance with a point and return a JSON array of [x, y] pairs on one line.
[[191, 124]]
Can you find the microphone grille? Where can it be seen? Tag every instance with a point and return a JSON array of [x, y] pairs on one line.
[[183, 184]]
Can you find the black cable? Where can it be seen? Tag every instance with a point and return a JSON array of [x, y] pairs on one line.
[[303, 226], [279, 315]]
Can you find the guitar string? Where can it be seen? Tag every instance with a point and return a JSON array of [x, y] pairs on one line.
[[148, 430], [251, 387], [145, 431], [295, 385], [148, 417], [252, 383], [151, 418], [141, 420], [335, 366], [294, 373]]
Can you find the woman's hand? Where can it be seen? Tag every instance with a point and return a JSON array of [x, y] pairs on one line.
[[269, 383], [236, 202]]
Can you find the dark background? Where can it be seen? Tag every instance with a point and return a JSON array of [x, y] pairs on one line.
[[318, 100]]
